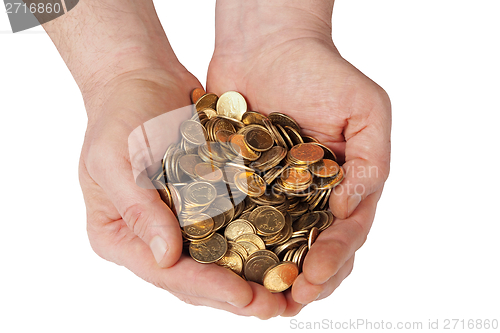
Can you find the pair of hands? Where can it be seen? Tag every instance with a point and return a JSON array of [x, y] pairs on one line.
[[296, 71]]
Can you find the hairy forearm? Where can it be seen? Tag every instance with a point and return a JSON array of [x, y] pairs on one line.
[[102, 39]]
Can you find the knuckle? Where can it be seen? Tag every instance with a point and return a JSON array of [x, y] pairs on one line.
[[137, 219]]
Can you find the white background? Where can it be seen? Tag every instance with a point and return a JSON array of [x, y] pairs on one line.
[[433, 252]]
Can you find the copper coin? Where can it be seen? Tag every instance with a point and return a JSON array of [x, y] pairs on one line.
[[306, 153], [259, 139], [280, 277], [324, 168], [196, 94]]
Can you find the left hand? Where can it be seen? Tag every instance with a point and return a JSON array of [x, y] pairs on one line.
[[299, 72]]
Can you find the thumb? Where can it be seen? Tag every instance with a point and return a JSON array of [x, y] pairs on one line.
[[141, 208]]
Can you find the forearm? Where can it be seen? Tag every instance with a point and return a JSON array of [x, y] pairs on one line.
[[103, 39]]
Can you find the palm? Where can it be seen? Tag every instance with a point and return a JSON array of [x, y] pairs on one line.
[[335, 103]]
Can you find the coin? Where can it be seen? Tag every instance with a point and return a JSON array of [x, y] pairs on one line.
[[267, 220], [209, 250], [307, 221], [253, 238], [250, 183], [283, 120], [208, 172], [239, 147], [196, 94], [313, 234], [258, 139], [198, 226], [306, 153], [253, 118], [280, 277], [324, 168], [256, 266], [193, 132], [237, 228], [200, 193], [206, 101], [232, 104], [231, 260]]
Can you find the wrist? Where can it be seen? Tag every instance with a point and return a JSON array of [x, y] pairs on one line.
[[100, 40], [246, 26]]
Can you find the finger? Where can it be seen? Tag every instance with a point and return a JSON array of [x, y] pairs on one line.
[[367, 152], [185, 277], [264, 305], [335, 245], [304, 292], [145, 214], [292, 307]]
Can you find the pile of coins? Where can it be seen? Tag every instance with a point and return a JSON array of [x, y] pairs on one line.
[[250, 191]]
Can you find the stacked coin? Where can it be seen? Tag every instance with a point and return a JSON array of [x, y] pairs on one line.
[[250, 192]]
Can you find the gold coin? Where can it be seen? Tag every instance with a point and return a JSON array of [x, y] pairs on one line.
[[283, 120], [207, 101], [249, 246], [223, 136], [269, 159], [232, 104], [164, 192], [250, 183], [294, 135], [325, 168], [313, 234], [231, 260], [208, 172], [328, 153], [280, 277], [328, 183], [238, 248], [307, 221], [238, 227], [267, 220], [256, 266], [198, 226], [292, 243], [200, 193], [224, 205], [193, 132], [209, 250], [253, 238], [239, 147], [258, 139], [253, 118], [196, 94], [217, 215]]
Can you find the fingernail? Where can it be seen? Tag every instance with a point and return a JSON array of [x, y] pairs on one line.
[[158, 247], [352, 203]]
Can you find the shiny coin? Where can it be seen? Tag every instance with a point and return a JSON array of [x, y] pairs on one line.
[[324, 168], [307, 221], [237, 228], [196, 94], [194, 132], [231, 260], [200, 193], [280, 277], [164, 192], [208, 172], [209, 250], [232, 104], [253, 238], [198, 226], [238, 248], [250, 183], [328, 183], [257, 265], [267, 220], [207, 101], [313, 234], [306, 153], [239, 147], [283, 120], [259, 139], [253, 118]]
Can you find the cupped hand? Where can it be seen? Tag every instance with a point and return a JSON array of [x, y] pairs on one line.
[[127, 222], [300, 73]]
